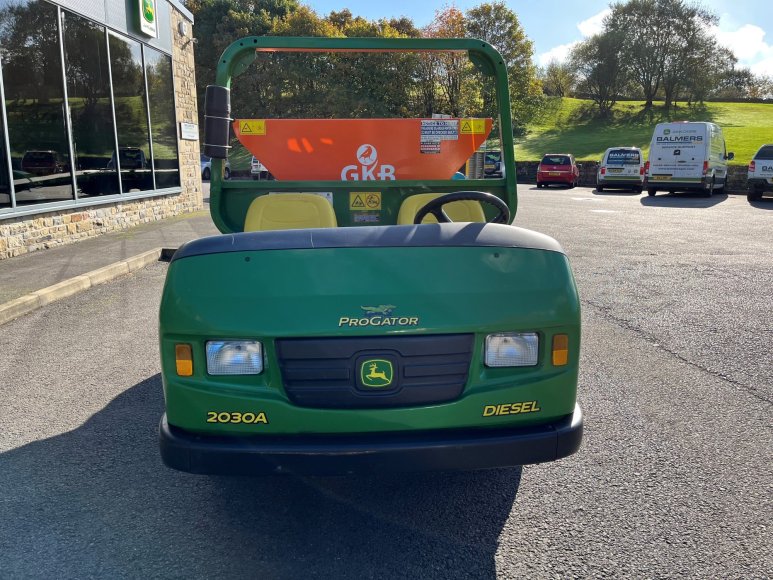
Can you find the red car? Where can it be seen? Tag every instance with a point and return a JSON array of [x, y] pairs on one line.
[[44, 163], [558, 168]]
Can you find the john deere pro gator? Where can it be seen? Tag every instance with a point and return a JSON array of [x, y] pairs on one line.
[[363, 311]]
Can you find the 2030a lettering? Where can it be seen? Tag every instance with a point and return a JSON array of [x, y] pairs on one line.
[[235, 417]]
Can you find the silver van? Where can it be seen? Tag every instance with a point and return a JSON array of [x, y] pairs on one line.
[[622, 168]]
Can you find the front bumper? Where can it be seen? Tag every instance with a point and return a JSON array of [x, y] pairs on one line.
[[370, 453]]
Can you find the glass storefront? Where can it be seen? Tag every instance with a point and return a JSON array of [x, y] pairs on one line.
[[158, 67], [34, 102], [89, 112], [131, 114], [88, 94]]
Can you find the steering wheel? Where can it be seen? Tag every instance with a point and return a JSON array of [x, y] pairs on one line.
[[435, 207]]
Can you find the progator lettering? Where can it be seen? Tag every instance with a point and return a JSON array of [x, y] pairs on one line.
[[379, 321]]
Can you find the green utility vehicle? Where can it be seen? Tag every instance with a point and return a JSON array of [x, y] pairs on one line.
[[364, 312]]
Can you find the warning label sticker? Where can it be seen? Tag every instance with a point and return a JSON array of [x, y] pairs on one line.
[[473, 127], [252, 126], [365, 201], [430, 147], [439, 130]]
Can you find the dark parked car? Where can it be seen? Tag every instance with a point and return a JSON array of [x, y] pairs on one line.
[[130, 158], [43, 163], [558, 168]]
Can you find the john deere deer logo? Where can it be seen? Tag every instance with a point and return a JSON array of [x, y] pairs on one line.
[[376, 373], [148, 10], [382, 309]]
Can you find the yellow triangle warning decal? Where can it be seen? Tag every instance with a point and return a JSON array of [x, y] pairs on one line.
[[252, 126], [473, 127], [357, 203]]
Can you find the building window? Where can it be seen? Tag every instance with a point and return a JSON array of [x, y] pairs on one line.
[[109, 104], [5, 182], [34, 101], [91, 110], [131, 115], [163, 123]]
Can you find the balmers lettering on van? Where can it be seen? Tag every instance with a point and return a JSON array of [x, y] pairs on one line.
[[680, 139]]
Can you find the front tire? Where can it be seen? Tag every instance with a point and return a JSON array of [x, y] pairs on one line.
[[599, 188], [651, 191]]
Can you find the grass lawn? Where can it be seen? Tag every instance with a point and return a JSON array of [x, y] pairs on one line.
[[569, 126]]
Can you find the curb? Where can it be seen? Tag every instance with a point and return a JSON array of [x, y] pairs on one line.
[[34, 300]]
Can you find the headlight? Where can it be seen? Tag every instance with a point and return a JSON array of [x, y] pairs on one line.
[[234, 357], [512, 349]]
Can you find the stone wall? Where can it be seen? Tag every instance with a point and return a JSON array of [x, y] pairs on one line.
[[54, 228], [187, 111], [526, 172]]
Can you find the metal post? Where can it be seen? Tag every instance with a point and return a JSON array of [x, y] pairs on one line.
[[147, 112], [112, 108], [66, 108], [6, 140]]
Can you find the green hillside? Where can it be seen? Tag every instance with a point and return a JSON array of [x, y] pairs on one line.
[[569, 126]]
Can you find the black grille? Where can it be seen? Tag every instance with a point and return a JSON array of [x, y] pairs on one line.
[[328, 372]]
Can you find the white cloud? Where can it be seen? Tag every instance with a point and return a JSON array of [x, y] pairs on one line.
[[557, 53], [763, 67], [746, 42], [749, 46], [594, 24], [587, 27]]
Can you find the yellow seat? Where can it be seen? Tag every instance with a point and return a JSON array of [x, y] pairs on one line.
[[289, 211], [458, 211]]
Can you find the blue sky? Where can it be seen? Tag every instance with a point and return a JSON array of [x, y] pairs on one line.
[[745, 26]]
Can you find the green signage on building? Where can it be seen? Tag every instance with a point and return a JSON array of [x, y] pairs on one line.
[[147, 10]]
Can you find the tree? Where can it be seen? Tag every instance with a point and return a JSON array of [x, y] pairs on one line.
[[496, 24], [220, 22], [654, 35], [689, 49], [599, 65], [450, 68], [558, 79], [701, 81]]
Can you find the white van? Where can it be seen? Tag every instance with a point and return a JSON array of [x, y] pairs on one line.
[[687, 156], [621, 167]]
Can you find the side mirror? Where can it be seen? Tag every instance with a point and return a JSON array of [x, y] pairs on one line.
[[730, 156]]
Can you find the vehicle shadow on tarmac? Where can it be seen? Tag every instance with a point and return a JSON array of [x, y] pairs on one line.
[[626, 192], [764, 203], [691, 200], [97, 501]]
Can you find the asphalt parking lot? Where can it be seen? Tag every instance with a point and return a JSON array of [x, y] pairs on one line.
[[675, 476]]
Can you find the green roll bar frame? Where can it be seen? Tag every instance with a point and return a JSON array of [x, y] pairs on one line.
[[229, 200]]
